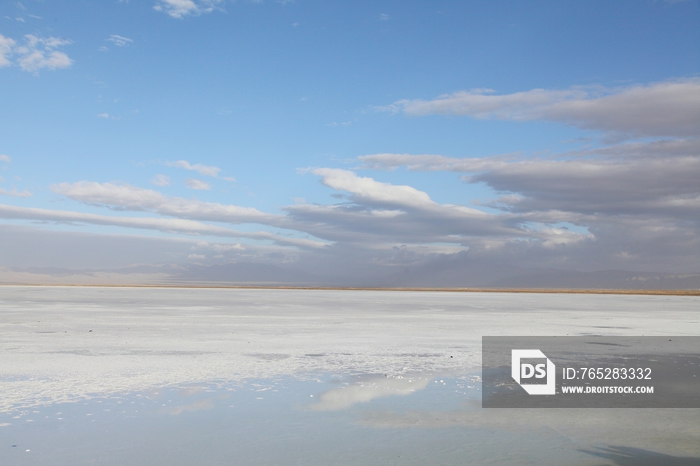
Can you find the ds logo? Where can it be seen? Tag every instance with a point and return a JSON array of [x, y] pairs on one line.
[[533, 371]]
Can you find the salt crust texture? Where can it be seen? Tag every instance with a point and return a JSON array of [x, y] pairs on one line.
[[62, 344]]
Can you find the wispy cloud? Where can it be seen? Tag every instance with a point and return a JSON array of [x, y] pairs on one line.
[[15, 193], [217, 247], [380, 215], [663, 109], [199, 185], [165, 225], [206, 170], [430, 162], [6, 46], [651, 178], [5, 158], [639, 201], [120, 41], [40, 53], [107, 116], [619, 206], [128, 197], [161, 180], [182, 8]]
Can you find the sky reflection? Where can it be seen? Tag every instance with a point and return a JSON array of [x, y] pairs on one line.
[[362, 419]]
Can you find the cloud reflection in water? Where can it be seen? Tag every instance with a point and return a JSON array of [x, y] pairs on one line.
[[367, 390]]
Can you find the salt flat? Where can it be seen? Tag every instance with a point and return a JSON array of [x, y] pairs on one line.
[[67, 343], [309, 377]]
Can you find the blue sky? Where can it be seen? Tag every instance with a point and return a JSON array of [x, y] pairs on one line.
[[161, 110]]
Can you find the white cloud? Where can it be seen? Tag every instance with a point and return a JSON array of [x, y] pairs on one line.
[[654, 178], [6, 46], [38, 53], [15, 193], [430, 162], [107, 116], [127, 197], [120, 41], [197, 184], [382, 215], [5, 158], [161, 180], [43, 246], [369, 190], [166, 225], [220, 247], [206, 170], [196, 256], [636, 202], [182, 8], [663, 109], [228, 247], [600, 186]]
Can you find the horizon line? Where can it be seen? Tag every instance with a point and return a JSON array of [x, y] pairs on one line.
[[689, 292]]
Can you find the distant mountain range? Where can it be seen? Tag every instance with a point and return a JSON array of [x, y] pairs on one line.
[[605, 279], [454, 274]]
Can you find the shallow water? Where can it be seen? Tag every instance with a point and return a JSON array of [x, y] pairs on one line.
[[275, 422], [327, 377]]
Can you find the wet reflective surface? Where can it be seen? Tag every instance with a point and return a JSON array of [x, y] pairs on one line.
[[253, 377], [370, 419]]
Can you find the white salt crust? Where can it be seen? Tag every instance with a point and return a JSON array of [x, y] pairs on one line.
[[61, 344]]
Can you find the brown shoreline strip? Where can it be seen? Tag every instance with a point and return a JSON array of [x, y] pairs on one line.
[[329, 288]]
